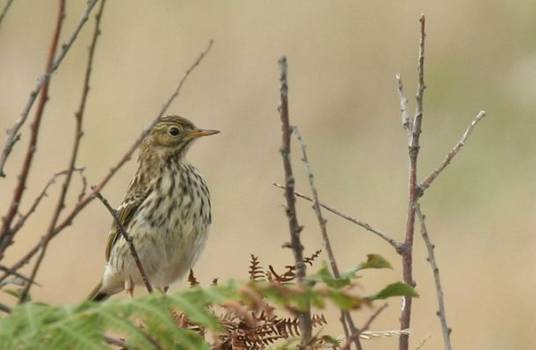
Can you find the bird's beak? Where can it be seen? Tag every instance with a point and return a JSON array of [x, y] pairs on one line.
[[201, 132]]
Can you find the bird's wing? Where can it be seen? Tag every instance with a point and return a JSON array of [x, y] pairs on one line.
[[125, 213]]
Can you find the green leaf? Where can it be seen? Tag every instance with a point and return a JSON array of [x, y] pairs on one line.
[[396, 289], [325, 276], [374, 261]]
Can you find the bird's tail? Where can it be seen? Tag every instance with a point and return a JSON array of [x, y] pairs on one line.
[[97, 294]]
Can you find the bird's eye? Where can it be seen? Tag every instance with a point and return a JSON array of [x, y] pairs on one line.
[[173, 131]]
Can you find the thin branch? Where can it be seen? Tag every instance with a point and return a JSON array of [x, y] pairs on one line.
[[294, 227], [441, 313], [22, 220], [128, 239], [366, 326], [13, 132], [414, 146], [16, 275], [397, 246], [6, 236], [4, 10], [345, 318], [82, 203], [4, 308], [450, 156], [79, 115], [406, 119]]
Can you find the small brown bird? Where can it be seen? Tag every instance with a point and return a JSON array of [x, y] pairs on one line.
[[166, 211]]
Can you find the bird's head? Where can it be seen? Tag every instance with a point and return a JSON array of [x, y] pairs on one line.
[[172, 136]]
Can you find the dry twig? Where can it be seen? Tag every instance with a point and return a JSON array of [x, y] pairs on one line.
[[294, 226], [23, 217], [346, 318], [127, 238], [430, 178], [414, 146], [397, 246], [4, 10], [79, 115], [13, 133], [366, 326], [441, 313], [6, 235]]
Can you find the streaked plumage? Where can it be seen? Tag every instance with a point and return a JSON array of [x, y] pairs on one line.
[[166, 211]]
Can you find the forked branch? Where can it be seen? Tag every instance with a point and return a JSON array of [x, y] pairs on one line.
[[450, 156]]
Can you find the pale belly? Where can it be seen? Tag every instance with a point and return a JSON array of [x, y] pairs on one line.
[[168, 236]]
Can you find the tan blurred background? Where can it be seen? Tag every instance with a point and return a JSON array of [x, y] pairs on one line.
[[342, 56]]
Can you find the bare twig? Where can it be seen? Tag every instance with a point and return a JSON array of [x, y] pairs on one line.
[[441, 313], [4, 10], [346, 318], [82, 203], [6, 235], [407, 252], [294, 226], [406, 119], [17, 275], [22, 220], [366, 326], [430, 179], [79, 115], [4, 308], [127, 238], [397, 246], [13, 132]]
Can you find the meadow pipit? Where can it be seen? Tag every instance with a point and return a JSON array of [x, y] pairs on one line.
[[166, 211]]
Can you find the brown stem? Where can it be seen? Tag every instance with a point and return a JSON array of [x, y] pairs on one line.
[[13, 132], [78, 133], [407, 252], [128, 238], [441, 313], [6, 235], [294, 227]]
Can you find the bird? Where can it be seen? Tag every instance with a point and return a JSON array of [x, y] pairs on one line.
[[166, 212]]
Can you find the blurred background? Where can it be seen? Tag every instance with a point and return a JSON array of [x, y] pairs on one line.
[[343, 56]]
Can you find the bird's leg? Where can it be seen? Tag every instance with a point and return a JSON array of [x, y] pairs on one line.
[[163, 290], [129, 286]]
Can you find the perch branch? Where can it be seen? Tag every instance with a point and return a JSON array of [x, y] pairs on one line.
[[407, 252], [82, 203], [441, 313], [6, 235], [78, 133], [450, 156], [397, 246], [128, 239], [346, 318], [13, 132], [294, 226]]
